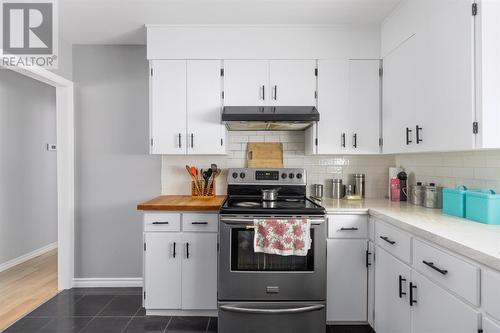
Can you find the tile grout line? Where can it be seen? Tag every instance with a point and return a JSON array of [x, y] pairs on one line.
[[131, 318], [95, 316], [169, 320]]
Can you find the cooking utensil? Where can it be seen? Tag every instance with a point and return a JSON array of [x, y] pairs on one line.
[[270, 194]]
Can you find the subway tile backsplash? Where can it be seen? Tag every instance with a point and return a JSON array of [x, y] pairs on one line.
[[320, 169], [479, 169]]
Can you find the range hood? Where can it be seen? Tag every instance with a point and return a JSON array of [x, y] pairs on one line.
[[269, 118]]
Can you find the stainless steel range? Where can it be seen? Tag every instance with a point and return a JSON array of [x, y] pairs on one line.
[[265, 292]]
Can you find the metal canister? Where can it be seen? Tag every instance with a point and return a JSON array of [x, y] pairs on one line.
[[338, 190], [359, 184], [433, 196], [417, 194], [318, 191], [349, 190]]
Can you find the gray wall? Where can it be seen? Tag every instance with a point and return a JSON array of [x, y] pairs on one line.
[[28, 194], [113, 169]]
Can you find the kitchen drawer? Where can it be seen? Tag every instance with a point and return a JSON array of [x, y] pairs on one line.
[[162, 222], [396, 242], [200, 222], [347, 226], [491, 293], [452, 273]]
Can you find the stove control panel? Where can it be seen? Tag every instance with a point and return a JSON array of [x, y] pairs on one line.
[[251, 176]]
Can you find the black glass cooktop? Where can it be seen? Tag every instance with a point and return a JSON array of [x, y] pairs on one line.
[[284, 205]]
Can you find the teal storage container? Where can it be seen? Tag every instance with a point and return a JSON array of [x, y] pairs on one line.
[[483, 207], [454, 201]]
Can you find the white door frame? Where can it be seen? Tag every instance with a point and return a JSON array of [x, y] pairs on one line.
[[65, 169]]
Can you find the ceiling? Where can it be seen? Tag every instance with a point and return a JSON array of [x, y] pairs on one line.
[[122, 21]]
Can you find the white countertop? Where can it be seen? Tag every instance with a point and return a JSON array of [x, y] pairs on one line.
[[479, 242]]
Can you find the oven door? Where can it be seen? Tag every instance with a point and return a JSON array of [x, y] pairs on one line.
[[249, 276], [272, 317]]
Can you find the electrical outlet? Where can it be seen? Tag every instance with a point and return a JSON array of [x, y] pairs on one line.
[[51, 147]]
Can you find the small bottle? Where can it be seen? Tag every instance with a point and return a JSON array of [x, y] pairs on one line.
[[395, 189], [403, 177]]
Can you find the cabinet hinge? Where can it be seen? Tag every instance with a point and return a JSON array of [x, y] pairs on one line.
[[144, 246], [380, 142], [474, 9], [151, 142], [151, 72], [222, 72], [381, 72], [316, 94], [316, 141], [222, 94], [144, 295], [315, 72], [475, 127]]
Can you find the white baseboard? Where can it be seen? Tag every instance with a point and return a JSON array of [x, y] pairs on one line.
[[106, 282], [25, 257]]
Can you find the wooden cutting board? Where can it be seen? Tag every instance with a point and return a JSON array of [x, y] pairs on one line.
[[265, 155]]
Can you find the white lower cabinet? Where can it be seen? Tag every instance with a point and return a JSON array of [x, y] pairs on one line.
[[370, 263], [489, 326], [162, 270], [180, 268], [346, 280], [436, 310], [392, 310], [199, 271]]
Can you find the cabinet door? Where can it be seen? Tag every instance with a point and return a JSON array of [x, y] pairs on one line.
[[333, 97], [370, 262], [489, 326], [436, 310], [392, 310], [168, 107], [363, 115], [346, 280], [293, 82], [199, 271], [399, 98], [162, 270], [205, 132], [246, 82]]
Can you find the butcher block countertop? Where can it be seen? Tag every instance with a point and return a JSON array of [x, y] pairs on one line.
[[182, 203]]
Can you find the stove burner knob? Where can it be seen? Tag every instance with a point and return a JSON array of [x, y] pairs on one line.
[[283, 175], [235, 175], [242, 175], [291, 176], [299, 176]]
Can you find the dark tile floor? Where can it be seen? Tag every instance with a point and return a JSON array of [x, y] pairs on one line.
[[110, 310]]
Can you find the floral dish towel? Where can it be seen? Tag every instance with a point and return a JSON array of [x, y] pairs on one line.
[[285, 237]]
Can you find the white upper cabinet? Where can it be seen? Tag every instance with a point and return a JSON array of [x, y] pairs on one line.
[[185, 107], [349, 107], [428, 53], [269, 82], [168, 107], [205, 132], [293, 82], [246, 83], [487, 28]]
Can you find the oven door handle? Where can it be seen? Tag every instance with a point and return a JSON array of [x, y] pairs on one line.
[[240, 221], [303, 309]]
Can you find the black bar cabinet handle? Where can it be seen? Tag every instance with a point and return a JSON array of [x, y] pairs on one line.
[[180, 143], [367, 258], [158, 222], [388, 240], [348, 229], [263, 93], [275, 92], [199, 223], [192, 140], [431, 265], [173, 254], [343, 140], [187, 250], [417, 132], [408, 132], [401, 280], [355, 140], [412, 301]]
